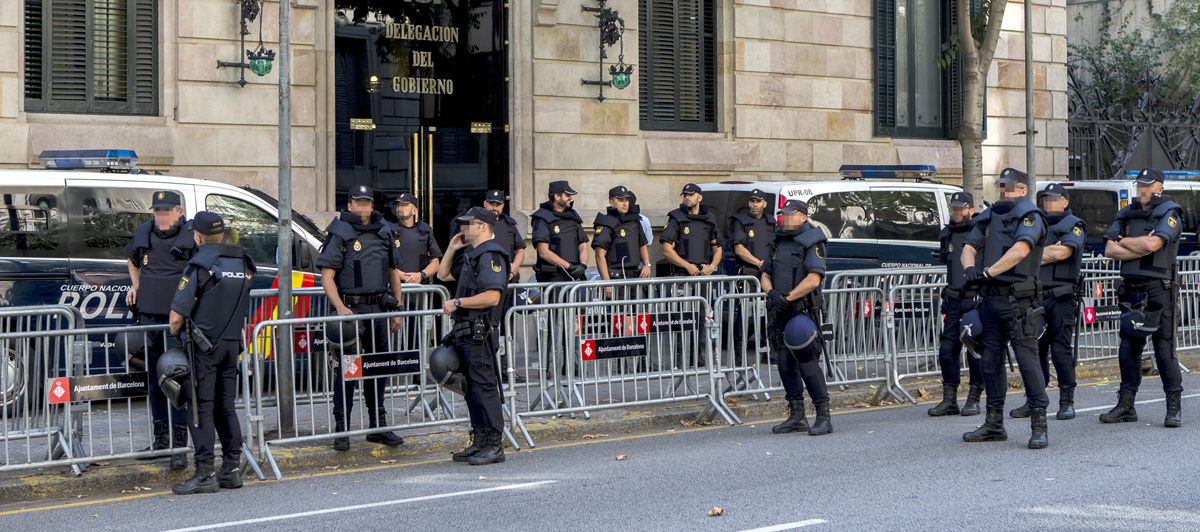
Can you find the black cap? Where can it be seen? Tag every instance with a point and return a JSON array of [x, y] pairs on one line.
[[1054, 189], [962, 199], [208, 223], [690, 188], [560, 187], [494, 196], [165, 199], [619, 192], [361, 192], [795, 205], [1011, 177], [1149, 176], [478, 213], [758, 195], [406, 199]]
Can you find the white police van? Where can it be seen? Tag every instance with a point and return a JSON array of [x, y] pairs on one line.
[[877, 216]]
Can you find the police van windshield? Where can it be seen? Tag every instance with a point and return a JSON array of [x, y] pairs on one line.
[[303, 221]]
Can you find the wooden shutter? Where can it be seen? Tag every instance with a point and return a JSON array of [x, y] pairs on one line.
[[954, 74], [677, 47], [145, 57], [34, 54], [68, 56], [885, 68]]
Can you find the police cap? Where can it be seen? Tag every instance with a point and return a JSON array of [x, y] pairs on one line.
[[406, 199], [494, 196], [561, 187], [208, 223], [962, 199], [1150, 176], [362, 192], [165, 199], [1054, 189], [478, 214], [794, 205], [1012, 178], [690, 188], [758, 194], [619, 192]]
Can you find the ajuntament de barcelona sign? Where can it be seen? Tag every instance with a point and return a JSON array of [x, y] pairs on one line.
[[421, 59]]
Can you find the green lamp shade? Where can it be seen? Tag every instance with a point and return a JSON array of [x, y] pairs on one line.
[[620, 80], [262, 67]]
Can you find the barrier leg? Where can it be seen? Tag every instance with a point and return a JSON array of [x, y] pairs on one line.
[[248, 461]]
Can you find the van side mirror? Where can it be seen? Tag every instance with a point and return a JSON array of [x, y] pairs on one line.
[[300, 255]]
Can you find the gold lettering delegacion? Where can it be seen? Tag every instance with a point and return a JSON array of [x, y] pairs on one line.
[[416, 32], [423, 85]]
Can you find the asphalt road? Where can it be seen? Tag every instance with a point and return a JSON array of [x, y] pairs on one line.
[[885, 468]]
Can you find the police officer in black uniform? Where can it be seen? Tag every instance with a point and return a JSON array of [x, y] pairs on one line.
[[420, 254], [559, 237], [957, 299], [620, 243], [214, 293], [1010, 235], [475, 310], [691, 238], [751, 234], [507, 235], [792, 276], [1145, 238], [156, 256], [1061, 289], [359, 275]]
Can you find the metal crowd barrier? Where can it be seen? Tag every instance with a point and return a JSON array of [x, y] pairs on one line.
[[885, 278]]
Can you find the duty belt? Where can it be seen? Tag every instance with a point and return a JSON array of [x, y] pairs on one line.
[[1020, 290], [960, 294], [1058, 291], [362, 299]]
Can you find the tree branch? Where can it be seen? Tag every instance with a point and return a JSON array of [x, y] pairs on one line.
[[966, 43], [991, 36]]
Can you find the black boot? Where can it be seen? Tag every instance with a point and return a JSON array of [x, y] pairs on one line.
[[971, 407], [492, 451], [388, 438], [179, 435], [161, 439], [821, 425], [1123, 412], [1173, 420], [1021, 412], [795, 421], [230, 477], [477, 443], [1066, 403], [949, 404], [340, 443], [992, 429], [204, 481], [1037, 426]]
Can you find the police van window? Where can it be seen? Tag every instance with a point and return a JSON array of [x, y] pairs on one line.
[[1097, 208], [30, 222], [258, 232], [906, 215], [103, 220], [843, 214]]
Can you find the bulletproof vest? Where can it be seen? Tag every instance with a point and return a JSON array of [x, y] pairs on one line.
[[791, 248], [624, 250], [1002, 235], [221, 309], [414, 246], [365, 250], [1063, 272], [952, 239], [162, 259], [507, 234], [1139, 222], [759, 234], [488, 255], [696, 233], [564, 230]]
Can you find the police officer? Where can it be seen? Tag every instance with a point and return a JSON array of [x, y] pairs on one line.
[[156, 258], [359, 275], [1145, 238], [420, 254], [751, 234], [475, 310], [214, 293], [957, 299], [791, 276], [1010, 235], [559, 238], [690, 240], [507, 235], [1061, 288], [620, 243]]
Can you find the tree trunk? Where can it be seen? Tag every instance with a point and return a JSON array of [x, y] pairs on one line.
[[977, 59]]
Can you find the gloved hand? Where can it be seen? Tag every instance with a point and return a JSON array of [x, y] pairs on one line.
[[971, 274], [576, 271], [778, 300]]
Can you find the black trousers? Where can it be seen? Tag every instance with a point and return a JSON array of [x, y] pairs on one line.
[[160, 408], [998, 314], [216, 391], [798, 373], [373, 340], [1059, 339], [950, 348], [483, 381], [1129, 354]]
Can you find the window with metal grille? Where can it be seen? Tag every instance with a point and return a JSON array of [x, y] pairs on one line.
[[91, 56], [677, 51], [914, 97]]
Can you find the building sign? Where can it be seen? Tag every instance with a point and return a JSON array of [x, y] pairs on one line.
[[422, 78]]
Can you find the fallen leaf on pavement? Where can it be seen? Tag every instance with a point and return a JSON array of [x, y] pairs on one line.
[[100, 463], [922, 393], [860, 405], [482, 478], [387, 461], [621, 457], [594, 436], [335, 493], [716, 511], [731, 401]]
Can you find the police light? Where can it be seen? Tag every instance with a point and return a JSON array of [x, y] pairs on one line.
[[89, 159], [887, 171], [1182, 175]]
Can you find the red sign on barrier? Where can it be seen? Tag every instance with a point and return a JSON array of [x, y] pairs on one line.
[[353, 368], [587, 350], [643, 323], [60, 391], [619, 326], [1089, 315], [867, 306], [1099, 290], [300, 342]]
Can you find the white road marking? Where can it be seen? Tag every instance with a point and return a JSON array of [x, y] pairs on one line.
[[787, 526], [1147, 401], [362, 506]]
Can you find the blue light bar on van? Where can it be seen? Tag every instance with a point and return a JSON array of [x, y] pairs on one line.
[[89, 159], [1191, 175], [887, 171]]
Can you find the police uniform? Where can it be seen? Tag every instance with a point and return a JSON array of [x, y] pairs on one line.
[[693, 235], [756, 234], [507, 235], [794, 254], [957, 299], [621, 237], [563, 232], [1150, 286], [1009, 309], [160, 257], [214, 293], [362, 256], [417, 243]]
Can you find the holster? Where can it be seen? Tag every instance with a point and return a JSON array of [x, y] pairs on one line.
[[1024, 323], [389, 303], [201, 341]]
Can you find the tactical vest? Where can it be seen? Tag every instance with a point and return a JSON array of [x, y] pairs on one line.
[[696, 232], [564, 230], [364, 258], [1137, 223], [1002, 235], [222, 308], [787, 265], [414, 246], [952, 239], [1063, 272], [161, 261], [507, 235], [487, 255], [759, 234], [624, 249]]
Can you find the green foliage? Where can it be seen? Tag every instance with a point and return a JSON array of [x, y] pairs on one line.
[[979, 22]]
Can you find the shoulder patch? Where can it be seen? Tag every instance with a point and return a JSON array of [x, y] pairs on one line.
[[357, 246], [495, 267], [1171, 221], [598, 229], [397, 242], [817, 250], [145, 259], [1076, 231], [950, 247], [183, 282], [687, 230], [1028, 222]]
